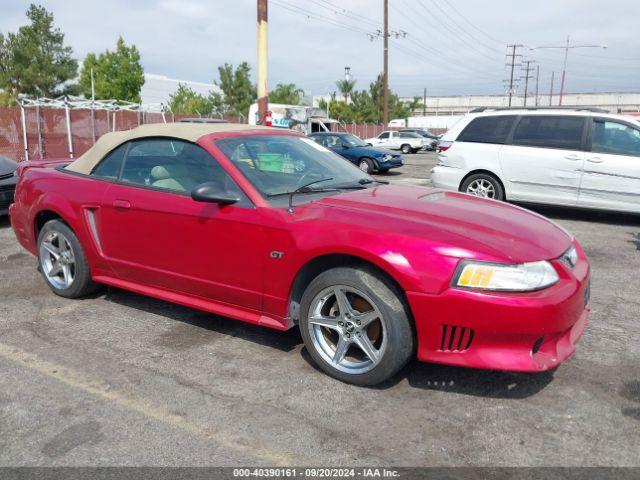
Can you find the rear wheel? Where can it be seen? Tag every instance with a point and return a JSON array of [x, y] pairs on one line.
[[62, 261], [355, 326], [483, 185], [406, 149], [366, 165]]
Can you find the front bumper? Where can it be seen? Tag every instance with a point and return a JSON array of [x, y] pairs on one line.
[[527, 332], [393, 163]]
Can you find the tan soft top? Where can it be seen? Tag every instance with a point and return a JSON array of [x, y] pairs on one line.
[[184, 131]]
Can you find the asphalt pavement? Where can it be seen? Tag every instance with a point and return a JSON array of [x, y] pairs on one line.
[[121, 379]]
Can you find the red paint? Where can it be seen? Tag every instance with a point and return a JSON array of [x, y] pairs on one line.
[[217, 258]]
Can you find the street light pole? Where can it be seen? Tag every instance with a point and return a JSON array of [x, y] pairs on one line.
[[385, 95], [263, 92]]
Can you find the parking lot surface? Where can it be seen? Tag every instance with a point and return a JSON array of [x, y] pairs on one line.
[[121, 379]]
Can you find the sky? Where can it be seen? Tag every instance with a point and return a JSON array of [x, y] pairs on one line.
[[449, 47]]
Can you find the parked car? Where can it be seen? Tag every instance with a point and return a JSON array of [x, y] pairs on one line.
[[582, 158], [268, 227], [368, 158], [432, 139], [407, 142], [8, 180]]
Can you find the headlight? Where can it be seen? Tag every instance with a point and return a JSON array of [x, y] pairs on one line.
[[524, 277], [386, 157]]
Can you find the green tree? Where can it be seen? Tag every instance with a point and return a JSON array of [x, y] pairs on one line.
[[238, 93], [116, 75], [185, 101], [34, 60], [397, 108], [415, 104], [287, 94], [346, 87]]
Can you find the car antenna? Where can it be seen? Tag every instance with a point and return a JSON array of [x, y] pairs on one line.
[[302, 188]]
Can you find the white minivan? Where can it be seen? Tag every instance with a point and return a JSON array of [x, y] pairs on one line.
[[585, 158]]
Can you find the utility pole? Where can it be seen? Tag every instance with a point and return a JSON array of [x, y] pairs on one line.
[[537, 82], [553, 74], [512, 64], [566, 48], [385, 95], [424, 103], [263, 92], [526, 79]]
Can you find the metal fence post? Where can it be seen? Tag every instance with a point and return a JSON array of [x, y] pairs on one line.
[[113, 126], [67, 115], [40, 143], [23, 118]]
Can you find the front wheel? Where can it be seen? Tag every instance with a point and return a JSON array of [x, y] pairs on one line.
[[355, 325], [62, 261], [483, 185], [365, 165]]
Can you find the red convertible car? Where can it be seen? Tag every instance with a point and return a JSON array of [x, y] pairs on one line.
[[268, 227]]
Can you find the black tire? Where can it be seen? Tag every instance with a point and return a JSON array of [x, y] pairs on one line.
[[483, 177], [366, 162], [398, 331], [406, 149], [82, 284]]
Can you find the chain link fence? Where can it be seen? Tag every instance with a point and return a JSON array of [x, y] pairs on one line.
[[45, 132]]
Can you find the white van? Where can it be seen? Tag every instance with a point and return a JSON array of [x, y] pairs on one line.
[[585, 158]]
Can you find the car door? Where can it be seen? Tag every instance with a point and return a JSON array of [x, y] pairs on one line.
[[153, 233], [543, 158], [382, 140], [611, 177]]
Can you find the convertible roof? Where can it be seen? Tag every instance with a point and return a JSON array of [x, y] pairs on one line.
[[184, 131]]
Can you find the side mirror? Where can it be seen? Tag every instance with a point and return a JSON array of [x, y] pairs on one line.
[[211, 192]]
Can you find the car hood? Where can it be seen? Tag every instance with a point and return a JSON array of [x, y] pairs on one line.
[[7, 166], [452, 223]]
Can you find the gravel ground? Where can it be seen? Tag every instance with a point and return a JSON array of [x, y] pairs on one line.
[[120, 379]]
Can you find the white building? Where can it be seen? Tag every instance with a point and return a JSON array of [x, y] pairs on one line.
[[157, 88], [614, 102]]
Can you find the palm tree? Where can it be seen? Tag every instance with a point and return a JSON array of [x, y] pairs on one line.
[[346, 88]]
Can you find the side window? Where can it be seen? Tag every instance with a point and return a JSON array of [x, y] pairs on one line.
[[175, 165], [550, 131], [109, 166], [333, 141], [405, 135], [383, 135], [615, 138], [492, 129]]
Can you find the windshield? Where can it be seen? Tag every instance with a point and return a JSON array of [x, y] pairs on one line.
[[277, 164], [354, 141]]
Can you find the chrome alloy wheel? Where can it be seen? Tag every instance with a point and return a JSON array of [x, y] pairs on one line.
[[347, 329], [57, 260], [364, 166], [482, 188]]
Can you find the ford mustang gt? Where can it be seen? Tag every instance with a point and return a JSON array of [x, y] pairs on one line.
[[268, 227]]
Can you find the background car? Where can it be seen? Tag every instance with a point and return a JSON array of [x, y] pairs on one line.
[[202, 120], [368, 158], [8, 180], [583, 158], [407, 142], [434, 139]]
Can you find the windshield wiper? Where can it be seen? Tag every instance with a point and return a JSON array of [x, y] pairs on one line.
[[302, 189]]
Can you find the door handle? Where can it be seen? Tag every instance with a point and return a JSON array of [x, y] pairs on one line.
[[573, 157], [122, 204], [595, 160]]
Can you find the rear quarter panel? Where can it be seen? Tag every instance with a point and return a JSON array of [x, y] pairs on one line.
[[65, 194]]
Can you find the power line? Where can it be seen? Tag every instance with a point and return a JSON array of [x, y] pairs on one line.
[[472, 24]]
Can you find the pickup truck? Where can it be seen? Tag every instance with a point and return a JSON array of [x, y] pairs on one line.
[[407, 142]]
